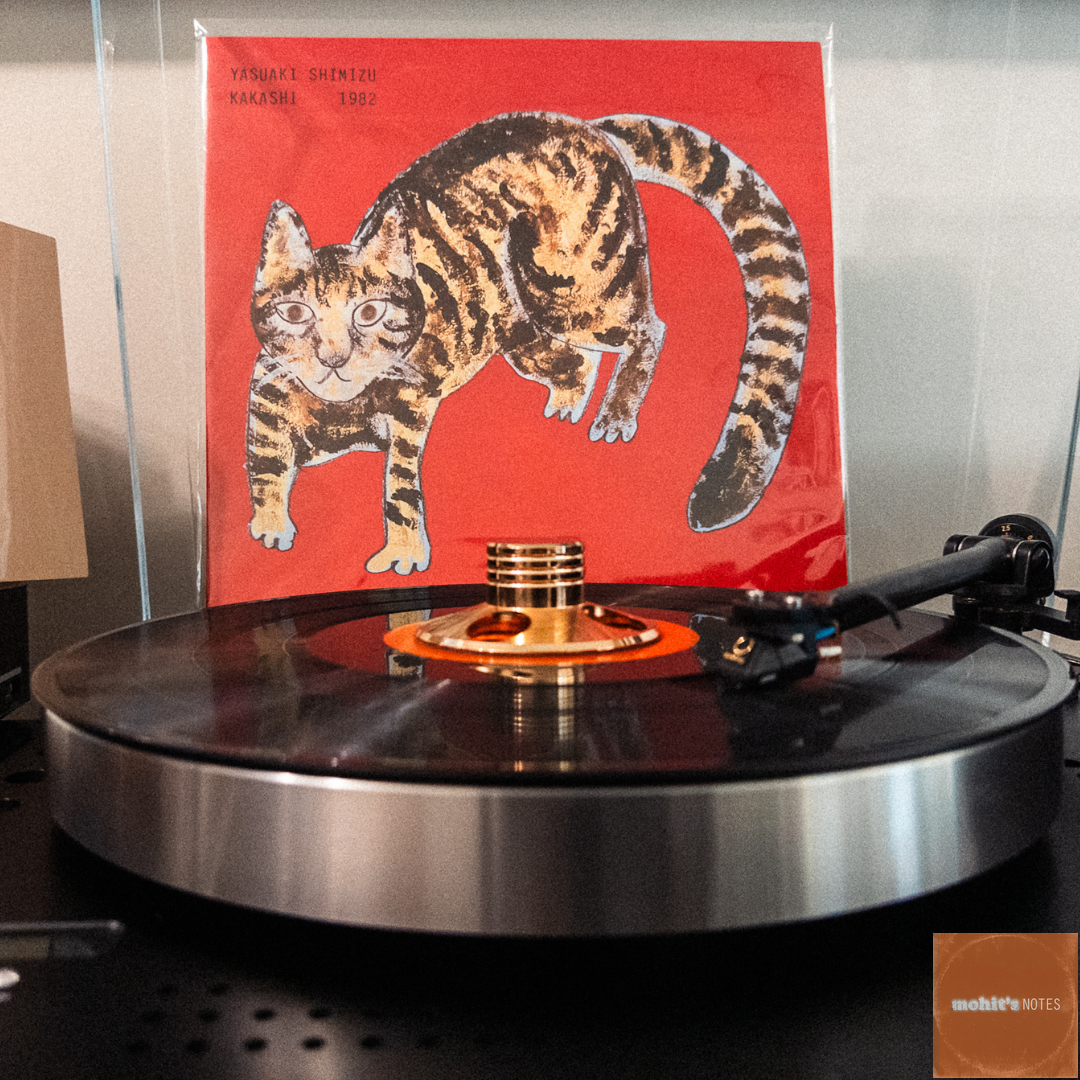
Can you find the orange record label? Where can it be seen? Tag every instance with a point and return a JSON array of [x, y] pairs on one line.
[[673, 639]]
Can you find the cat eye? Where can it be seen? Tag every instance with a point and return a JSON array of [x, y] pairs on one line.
[[369, 312], [294, 312]]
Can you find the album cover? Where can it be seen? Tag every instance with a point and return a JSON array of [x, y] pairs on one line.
[[468, 289], [1005, 1004]]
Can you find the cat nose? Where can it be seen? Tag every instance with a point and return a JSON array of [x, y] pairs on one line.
[[334, 343], [333, 353]]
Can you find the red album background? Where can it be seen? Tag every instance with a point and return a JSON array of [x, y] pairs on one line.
[[282, 124]]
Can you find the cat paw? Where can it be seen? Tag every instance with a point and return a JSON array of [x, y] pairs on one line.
[[612, 430], [565, 413], [563, 410], [402, 560], [270, 537]]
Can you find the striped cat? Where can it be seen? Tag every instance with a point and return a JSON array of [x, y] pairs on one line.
[[524, 236]]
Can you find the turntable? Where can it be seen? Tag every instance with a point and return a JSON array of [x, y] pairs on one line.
[[543, 759]]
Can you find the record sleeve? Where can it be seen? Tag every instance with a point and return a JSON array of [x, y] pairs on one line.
[[729, 272]]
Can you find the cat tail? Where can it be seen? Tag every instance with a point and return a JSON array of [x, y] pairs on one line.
[[777, 292]]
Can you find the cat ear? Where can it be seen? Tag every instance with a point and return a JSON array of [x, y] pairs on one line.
[[286, 247], [387, 245]]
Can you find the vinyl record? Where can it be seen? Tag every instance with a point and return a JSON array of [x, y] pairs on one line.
[[283, 755]]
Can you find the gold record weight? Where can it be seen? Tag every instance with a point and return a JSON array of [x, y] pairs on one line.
[[536, 605]]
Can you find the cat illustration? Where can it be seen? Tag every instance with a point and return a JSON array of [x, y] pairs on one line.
[[523, 236]]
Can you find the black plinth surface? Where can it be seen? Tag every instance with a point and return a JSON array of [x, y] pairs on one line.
[[193, 988]]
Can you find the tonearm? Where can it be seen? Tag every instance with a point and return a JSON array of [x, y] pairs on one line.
[[1000, 577]]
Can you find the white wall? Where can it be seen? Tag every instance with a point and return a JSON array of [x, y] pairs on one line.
[[52, 181], [956, 190]]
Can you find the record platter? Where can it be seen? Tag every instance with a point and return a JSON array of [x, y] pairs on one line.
[[560, 761]]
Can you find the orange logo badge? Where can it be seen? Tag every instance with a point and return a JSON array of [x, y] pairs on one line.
[[1005, 1004]]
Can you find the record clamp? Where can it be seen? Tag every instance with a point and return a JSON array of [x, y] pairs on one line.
[[536, 608], [535, 604]]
